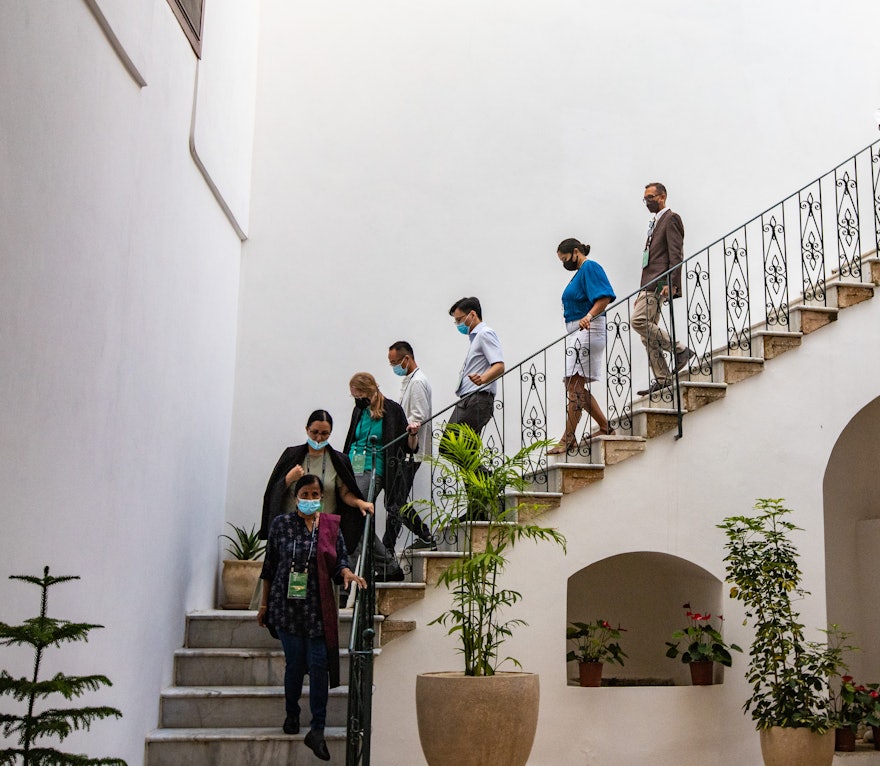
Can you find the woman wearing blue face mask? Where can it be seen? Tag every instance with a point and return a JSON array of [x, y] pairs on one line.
[[305, 555], [317, 457]]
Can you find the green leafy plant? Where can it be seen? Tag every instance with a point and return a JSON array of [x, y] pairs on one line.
[[40, 633], [595, 641], [473, 491], [846, 705], [789, 675], [704, 642], [246, 545]]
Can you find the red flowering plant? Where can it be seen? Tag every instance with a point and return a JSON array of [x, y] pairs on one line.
[[846, 708], [868, 700], [704, 642], [596, 642]]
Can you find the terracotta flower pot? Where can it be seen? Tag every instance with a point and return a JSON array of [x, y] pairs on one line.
[[477, 720], [702, 672], [239, 580], [796, 747], [591, 673], [844, 740]]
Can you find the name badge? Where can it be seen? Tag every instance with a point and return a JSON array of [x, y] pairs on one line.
[[296, 585], [645, 258], [359, 462]]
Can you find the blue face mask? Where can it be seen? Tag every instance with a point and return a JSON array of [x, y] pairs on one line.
[[398, 370], [317, 445], [462, 328], [308, 507]]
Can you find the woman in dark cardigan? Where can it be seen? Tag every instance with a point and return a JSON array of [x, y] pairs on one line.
[[374, 415], [316, 456]]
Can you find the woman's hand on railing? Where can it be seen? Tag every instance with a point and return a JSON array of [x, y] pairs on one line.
[[349, 577], [364, 507]]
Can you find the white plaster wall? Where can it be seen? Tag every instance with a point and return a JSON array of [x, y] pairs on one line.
[[118, 303], [772, 436], [410, 154]]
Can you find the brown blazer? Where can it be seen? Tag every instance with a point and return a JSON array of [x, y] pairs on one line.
[[665, 251]]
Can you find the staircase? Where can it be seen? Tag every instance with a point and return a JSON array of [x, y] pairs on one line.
[[227, 703]]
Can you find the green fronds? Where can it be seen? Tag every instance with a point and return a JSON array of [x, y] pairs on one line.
[[247, 545]]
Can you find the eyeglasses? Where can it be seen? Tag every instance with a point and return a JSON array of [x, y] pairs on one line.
[[314, 432], [399, 361], [460, 319], [650, 197]]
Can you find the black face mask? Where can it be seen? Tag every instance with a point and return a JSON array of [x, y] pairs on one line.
[[570, 264], [362, 402]]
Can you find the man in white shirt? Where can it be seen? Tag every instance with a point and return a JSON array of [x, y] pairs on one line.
[[415, 399], [483, 365]]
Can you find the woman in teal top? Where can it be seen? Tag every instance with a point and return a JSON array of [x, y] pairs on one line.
[[374, 415]]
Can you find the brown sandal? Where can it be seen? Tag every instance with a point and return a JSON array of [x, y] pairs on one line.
[[565, 444]]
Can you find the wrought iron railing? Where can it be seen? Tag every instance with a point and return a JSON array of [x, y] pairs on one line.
[[746, 283]]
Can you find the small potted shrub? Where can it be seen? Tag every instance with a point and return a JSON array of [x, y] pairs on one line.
[[241, 572], [596, 644], [705, 646], [846, 714]]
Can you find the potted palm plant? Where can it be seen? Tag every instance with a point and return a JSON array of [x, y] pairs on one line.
[[596, 644], [241, 572], [705, 646], [789, 675], [495, 713]]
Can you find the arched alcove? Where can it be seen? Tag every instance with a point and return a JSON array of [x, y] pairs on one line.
[[851, 498], [643, 592]]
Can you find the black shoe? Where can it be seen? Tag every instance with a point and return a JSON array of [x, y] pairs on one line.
[[390, 575], [291, 725], [423, 544], [683, 358], [655, 386], [314, 740]]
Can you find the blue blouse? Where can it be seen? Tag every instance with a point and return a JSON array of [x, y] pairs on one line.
[[586, 287]]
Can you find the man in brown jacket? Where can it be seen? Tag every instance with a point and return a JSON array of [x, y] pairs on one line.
[[663, 251]]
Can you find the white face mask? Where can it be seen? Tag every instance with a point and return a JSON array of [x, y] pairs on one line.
[[316, 445]]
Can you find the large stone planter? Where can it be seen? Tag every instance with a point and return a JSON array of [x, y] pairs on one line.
[[796, 747], [239, 581], [477, 720]]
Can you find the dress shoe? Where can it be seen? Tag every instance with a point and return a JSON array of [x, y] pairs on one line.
[[683, 358], [291, 725], [655, 386], [423, 544], [315, 741]]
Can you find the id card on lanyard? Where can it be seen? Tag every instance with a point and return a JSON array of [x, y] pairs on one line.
[[298, 579]]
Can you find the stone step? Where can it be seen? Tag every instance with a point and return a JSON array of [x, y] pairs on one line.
[[237, 667], [237, 747], [392, 596], [427, 566], [610, 450], [846, 294], [650, 422], [807, 319], [231, 629], [218, 707], [734, 369], [769, 344], [567, 477], [530, 505], [700, 393]]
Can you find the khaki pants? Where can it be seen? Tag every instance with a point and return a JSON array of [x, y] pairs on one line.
[[656, 340]]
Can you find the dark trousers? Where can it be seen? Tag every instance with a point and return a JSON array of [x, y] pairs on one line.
[[306, 655], [394, 520], [474, 410]]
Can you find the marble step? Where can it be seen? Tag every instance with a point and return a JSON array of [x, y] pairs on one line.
[[237, 667], [218, 707], [231, 629], [238, 747]]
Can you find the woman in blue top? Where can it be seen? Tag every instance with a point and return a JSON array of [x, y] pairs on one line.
[[583, 302]]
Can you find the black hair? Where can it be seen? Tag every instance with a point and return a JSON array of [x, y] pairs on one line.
[[320, 415], [467, 305], [568, 246], [402, 347], [661, 189], [306, 480]]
